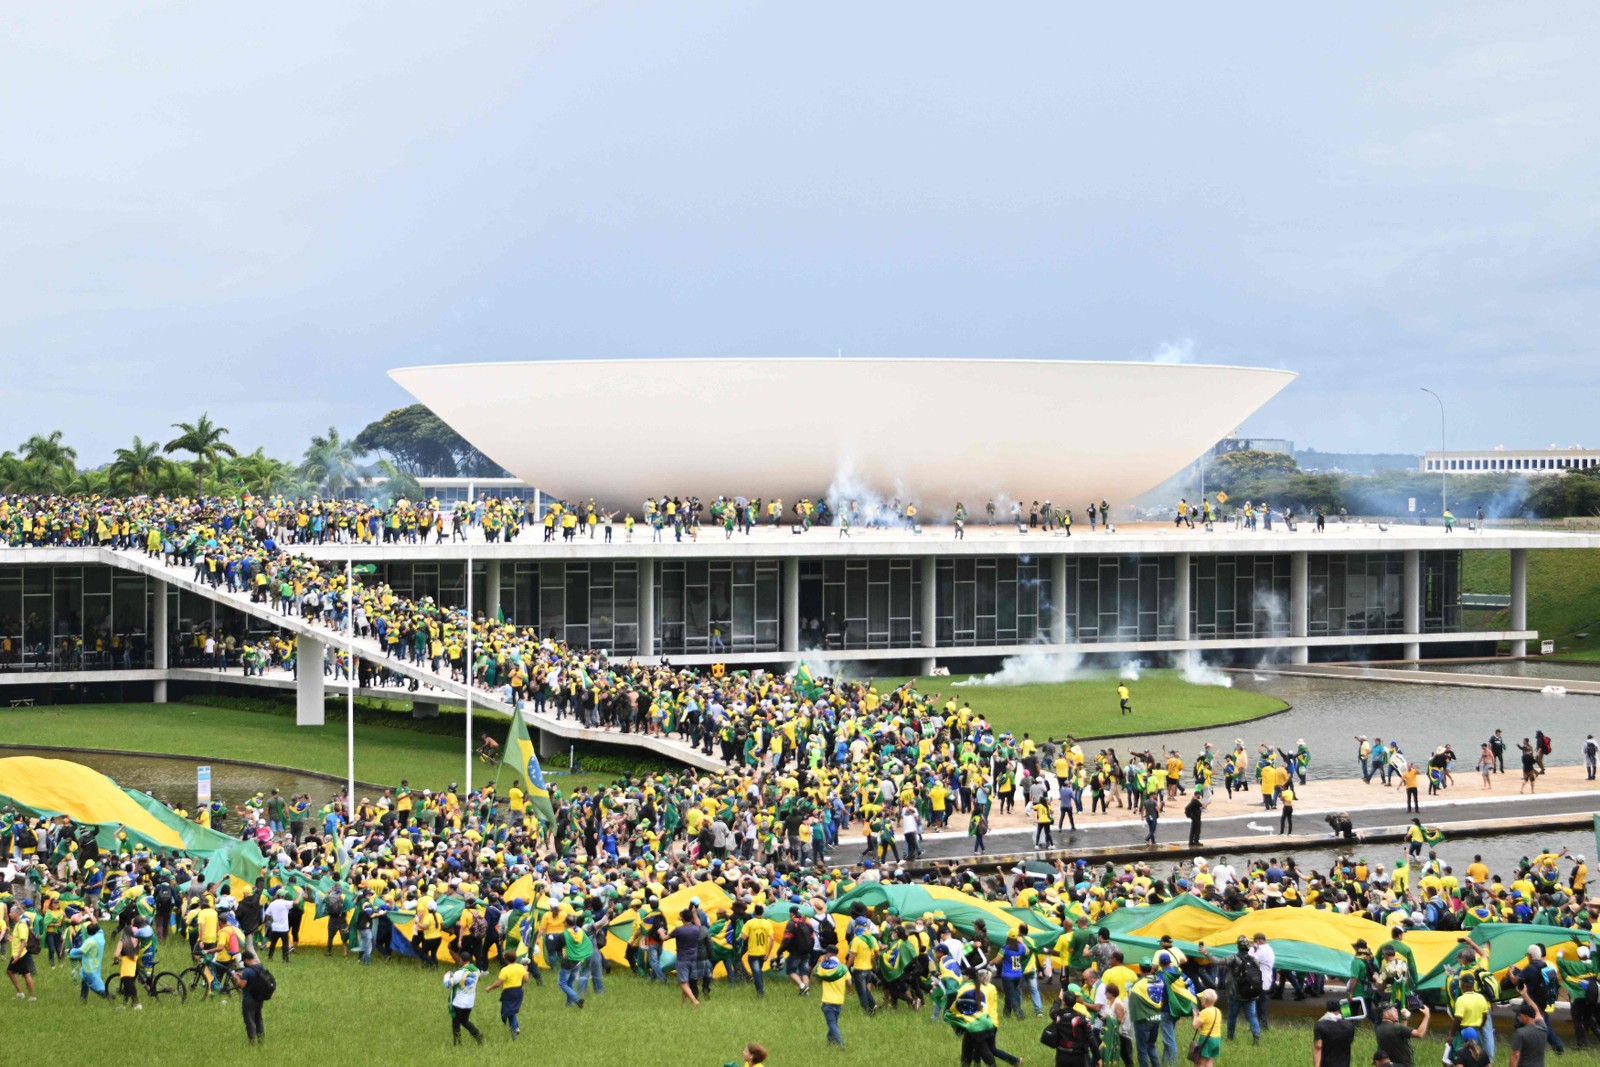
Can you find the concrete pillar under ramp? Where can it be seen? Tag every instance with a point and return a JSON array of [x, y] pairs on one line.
[[930, 611], [310, 688]]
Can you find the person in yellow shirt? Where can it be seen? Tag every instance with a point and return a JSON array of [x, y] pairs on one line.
[[862, 957], [511, 980], [834, 977], [759, 945]]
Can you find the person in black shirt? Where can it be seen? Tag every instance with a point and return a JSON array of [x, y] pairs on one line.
[[1395, 1037], [1331, 1038]]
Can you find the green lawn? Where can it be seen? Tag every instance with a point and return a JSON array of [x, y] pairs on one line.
[[335, 1011], [1087, 707], [383, 754], [1563, 595]]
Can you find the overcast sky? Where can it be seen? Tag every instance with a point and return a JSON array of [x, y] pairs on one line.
[[258, 211]]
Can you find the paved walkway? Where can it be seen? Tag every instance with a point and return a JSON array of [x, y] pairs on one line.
[[1427, 677], [1563, 791]]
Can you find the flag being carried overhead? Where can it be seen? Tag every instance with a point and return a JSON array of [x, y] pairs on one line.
[[524, 762]]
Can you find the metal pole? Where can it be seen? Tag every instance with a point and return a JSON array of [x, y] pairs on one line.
[[1443, 475], [350, 677], [468, 662]]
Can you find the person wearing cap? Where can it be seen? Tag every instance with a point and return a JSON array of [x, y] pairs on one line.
[[1395, 1037], [834, 978], [1466, 1049], [1245, 989], [277, 915], [1530, 1040], [1331, 1036]]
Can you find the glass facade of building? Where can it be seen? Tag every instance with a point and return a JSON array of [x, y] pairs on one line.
[[990, 601], [1441, 592], [717, 606], [860, 603], [69, 617], [1121, 598], [1355, 593], [1239, 596]]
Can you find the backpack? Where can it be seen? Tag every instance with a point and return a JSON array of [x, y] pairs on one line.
[[1246, 975], [480, 925], [1544, 745], [264, 985], [34, 945], [164, 896], [1069, 1036], [333, 903]]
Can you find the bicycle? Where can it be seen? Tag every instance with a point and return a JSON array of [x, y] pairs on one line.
[[203, 974], [160, 984]]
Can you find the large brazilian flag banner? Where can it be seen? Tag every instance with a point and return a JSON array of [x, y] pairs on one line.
[[524, 762]]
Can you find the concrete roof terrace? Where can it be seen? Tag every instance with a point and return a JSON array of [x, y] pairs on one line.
[[769, 542]]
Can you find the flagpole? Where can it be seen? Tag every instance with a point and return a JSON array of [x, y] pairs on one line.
[[468, 661], [350, 677]]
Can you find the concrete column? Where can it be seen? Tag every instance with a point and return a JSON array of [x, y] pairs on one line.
[[1411, 603], [1181, 605], [424, 709], [310, 690], [1519, 598], [491, 589], [1298, 605], [1058, 600], [789, 593], [160, 628], [553, 750], [647, 608], [930, 611]]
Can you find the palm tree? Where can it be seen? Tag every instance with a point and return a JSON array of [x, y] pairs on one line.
[[330, 464], [202, 439], [47, 451], [259, 472], [396, 483], [138, 465]]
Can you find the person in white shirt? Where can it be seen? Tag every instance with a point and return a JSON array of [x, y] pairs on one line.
[[911, 827], [277, 913], [1266, 959], [463, 986]]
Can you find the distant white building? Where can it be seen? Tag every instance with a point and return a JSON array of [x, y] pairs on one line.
[[1550, 460]]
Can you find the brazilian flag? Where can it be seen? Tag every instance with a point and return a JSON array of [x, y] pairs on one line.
[[1432, 835], [524, 761], [805, 684], [968, 1010]]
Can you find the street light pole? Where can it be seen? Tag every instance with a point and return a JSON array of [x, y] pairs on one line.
[[1443, 473]]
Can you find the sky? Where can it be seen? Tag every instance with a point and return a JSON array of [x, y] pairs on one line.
[[256, 212]]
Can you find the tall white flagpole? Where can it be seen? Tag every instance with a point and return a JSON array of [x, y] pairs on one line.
[[467, 663], [350, 677]]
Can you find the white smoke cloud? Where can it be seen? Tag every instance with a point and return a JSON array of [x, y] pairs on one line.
[[1131, 671], [1033, 668], [1174, 351], [1201, 674]]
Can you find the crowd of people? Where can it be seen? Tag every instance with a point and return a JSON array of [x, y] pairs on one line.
[[451, 859]]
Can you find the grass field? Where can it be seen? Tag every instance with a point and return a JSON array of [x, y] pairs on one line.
[[1087, 707], [1563, 595], [337, 1012], [383, 755]]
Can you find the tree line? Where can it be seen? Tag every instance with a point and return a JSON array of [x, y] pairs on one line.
[[388, 455], [1276, 478]]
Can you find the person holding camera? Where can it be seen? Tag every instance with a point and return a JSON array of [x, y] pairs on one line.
[[1244, 990], [1395, 1037]]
